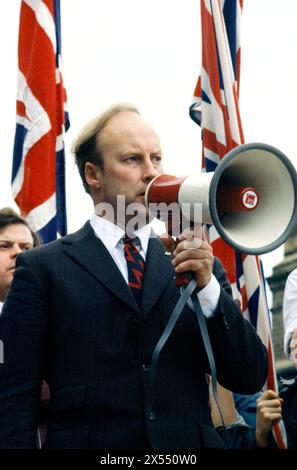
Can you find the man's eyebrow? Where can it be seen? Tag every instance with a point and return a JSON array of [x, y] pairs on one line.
[[15, 241]]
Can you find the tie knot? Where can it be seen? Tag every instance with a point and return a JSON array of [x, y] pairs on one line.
[[128, 239], [132, 245], [131, 241]]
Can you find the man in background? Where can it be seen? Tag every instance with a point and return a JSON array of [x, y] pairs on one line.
[[15, 237], [290, 317]]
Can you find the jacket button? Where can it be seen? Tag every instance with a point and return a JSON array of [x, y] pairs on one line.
[[146, 367], [152, 416]]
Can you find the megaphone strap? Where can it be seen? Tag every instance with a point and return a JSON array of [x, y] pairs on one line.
[[196, 307], [188, 295], [185, 296]]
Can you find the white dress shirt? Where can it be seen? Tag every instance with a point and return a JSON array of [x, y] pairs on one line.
[[290, 309], [112, 237], [1, 306]]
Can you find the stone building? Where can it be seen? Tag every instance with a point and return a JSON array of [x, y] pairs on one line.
[[277, 283]]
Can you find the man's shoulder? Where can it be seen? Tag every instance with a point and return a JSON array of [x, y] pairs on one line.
[[56, 247]]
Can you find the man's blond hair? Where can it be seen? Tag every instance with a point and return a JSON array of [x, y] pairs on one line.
[[86, 147]]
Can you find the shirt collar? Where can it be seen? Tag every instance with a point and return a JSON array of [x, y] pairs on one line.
[[111, 234]]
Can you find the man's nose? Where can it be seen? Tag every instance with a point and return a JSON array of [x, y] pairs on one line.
[[149, 171], [15, 250]]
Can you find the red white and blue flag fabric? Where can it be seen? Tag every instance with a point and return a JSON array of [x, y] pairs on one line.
[[38, 173], [215, 108]]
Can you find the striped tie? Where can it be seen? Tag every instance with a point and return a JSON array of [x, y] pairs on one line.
[[135, 265]]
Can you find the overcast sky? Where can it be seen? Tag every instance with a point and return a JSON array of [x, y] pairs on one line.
[[149, 53]]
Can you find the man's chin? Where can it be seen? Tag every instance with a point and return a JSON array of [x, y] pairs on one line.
[[9, 276], [122, 212], [140, 199], [137, 215]]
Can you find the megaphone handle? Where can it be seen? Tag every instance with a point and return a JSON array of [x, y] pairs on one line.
[[183, 279]]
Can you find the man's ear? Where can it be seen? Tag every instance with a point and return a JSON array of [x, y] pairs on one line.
[[93, 175]]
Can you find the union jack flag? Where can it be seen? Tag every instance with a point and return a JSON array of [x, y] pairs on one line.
[[38, 173], [215, 108]]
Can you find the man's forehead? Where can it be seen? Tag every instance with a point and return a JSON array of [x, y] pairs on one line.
[[16, 232], [128, 124]]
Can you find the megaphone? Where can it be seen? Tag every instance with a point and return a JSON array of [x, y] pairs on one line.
[[250, 197]]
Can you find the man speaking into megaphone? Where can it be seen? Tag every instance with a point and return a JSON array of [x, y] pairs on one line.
[[88, 311], [251, 198]]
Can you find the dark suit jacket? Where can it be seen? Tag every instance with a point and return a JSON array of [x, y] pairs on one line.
[[71, 318]]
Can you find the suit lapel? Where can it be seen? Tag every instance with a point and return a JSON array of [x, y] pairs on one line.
[[90, 253], [158, 271]]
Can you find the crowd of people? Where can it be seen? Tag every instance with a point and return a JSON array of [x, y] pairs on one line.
[[82, 316]]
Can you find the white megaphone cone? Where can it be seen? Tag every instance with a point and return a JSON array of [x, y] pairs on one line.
[[251, 197]]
